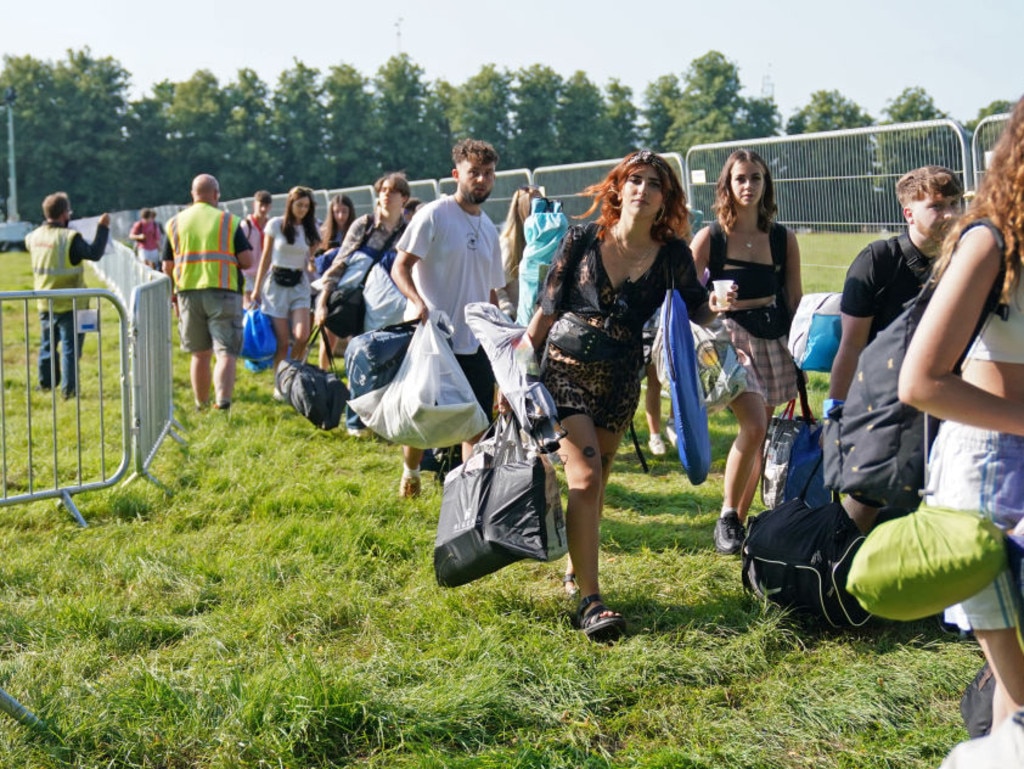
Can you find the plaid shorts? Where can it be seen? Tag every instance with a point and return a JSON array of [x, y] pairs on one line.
[[771, 371], [981, 470]]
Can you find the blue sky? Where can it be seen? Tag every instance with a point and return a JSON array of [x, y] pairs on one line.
[[964, 54]]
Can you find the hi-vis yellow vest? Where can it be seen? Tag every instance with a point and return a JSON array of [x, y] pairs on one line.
[[50, 248], [203, 240]]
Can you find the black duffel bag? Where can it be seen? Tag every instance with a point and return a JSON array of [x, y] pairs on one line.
[[799, 557], [346, 308]]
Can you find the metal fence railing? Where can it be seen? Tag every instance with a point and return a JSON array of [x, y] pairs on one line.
[[986, 134], [832, 180], [147, 295], [52, 446], [839, 180]]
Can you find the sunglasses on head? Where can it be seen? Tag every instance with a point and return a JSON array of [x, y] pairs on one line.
[[648, 158]]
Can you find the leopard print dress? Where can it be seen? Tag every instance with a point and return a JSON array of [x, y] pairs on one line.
[[608, 391]]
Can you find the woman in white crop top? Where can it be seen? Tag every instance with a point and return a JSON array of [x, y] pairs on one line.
[[978, 455], [282, 280]]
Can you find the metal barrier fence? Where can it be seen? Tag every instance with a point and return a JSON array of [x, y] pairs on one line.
[[147, 294], [52, 447], [832, 180], [986, 134], [838, 180]]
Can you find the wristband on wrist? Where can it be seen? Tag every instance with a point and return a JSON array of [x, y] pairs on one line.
[[830, 403]]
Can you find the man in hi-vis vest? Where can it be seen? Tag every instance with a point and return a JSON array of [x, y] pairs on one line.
[[205, 254], [58, 256]]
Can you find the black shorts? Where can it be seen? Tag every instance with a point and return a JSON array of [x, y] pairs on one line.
[[477, 368]]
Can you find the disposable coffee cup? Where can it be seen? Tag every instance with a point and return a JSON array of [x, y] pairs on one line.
[[722, 288]]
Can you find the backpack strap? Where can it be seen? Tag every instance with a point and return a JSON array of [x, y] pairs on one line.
[[777, 242], [716, 260]]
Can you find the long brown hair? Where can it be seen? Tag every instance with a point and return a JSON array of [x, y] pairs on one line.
[[607, 195], [1000, 199], [329, 229], [308, 223], [725, 204]]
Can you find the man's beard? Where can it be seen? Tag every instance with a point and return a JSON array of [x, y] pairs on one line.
[[475, 199]]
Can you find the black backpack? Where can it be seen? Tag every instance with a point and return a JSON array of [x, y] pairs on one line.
[[874, 445], [799, 556], [346, 306]]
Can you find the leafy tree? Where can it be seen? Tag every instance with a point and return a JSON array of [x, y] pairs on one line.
[[912, 105], [758, 118], [482, 108], [621, 116], [68, 123], [998, 107], [438, 135], [711, 108], [196, 117], [580, 122], [534, 139], [350, 127], [297, 137], [147, 150], [827, 111], [400, 107], [250, 159], [660, 98]]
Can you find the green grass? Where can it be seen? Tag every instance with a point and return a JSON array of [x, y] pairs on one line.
[[280, 610]]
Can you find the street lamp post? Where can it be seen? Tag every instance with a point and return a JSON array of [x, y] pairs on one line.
[[12, 180]]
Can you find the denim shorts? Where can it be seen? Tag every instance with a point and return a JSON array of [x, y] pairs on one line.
[[280, 301], [983, 471]]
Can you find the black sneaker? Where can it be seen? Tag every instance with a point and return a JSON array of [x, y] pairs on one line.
[[729, 534]]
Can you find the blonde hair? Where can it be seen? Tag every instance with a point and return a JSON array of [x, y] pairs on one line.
[[513, 238]]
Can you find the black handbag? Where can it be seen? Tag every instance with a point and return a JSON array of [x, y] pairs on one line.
[[501, 506], [769, 322], [584, 342], [285, 277], [346, 305], [799, 557], [346, 308]]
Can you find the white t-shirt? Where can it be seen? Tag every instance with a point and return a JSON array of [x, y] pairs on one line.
[[460, 263], [291, 256]]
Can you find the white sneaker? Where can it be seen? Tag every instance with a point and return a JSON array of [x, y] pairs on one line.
[[359, 432], [656, 445], [278, 395], [670, 431]]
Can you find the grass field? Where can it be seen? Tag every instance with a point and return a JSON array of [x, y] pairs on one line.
[[279, 610]]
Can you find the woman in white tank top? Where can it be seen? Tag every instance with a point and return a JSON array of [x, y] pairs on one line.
[[977, 460]]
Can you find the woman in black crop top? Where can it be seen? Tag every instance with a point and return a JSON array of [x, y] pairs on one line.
[[605, 281], [763, 260]]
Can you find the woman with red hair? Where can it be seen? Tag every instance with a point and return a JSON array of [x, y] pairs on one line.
[[605, 281]]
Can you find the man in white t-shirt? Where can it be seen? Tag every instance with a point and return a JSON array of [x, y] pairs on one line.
[[447, 258], [253, 226]]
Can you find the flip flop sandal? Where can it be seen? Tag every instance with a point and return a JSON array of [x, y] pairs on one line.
[[595, 627]]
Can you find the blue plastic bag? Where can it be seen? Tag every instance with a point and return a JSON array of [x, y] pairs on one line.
[[543, 231], [258, 340], [691, 415]]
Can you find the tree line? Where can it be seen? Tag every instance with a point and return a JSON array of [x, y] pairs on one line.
[[78, 130]]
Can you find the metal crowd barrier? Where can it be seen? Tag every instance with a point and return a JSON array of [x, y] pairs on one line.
[[147, 294], [52, 447]]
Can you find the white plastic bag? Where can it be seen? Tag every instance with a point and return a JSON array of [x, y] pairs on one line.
[[429, 402]]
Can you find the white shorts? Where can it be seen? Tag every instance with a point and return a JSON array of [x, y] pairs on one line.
[[280, 301], [980, 470]]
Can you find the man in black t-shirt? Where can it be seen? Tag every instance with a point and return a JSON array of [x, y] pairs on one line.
[[889, 273]]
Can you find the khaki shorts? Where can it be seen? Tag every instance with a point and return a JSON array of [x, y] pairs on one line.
[[210, 318]]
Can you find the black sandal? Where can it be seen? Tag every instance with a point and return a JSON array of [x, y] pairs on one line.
[[594, 626], [570, 586]]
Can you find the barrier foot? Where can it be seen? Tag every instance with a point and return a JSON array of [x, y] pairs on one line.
[[149, 477], [65, 500], [20, 713]]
